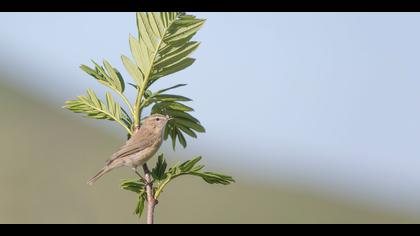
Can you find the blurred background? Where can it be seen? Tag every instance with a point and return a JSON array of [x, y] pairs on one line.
[[316, 115]]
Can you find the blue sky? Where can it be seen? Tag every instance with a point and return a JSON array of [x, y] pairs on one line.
[[327, 100]]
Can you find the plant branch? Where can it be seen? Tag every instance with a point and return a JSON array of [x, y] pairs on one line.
[[151, 201]]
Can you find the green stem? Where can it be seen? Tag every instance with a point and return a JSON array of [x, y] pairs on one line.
[[138, 107], [161, 186], [151, 201]]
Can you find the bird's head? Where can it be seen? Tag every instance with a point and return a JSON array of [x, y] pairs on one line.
[[156, 121]]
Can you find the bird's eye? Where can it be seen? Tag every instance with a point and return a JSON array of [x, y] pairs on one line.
[[157, 119]]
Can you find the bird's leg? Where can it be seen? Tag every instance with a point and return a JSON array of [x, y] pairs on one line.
[[141, 177]]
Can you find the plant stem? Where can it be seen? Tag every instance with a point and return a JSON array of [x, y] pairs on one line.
[[151, 201], [160, 188], [137, 106], [162, 185]]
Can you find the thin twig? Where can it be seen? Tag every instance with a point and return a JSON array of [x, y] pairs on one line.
[[151, 201]]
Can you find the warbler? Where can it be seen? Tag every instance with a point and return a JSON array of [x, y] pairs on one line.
[[141, 146]]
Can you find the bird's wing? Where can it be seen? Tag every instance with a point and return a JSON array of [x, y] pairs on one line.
[[132, 146]]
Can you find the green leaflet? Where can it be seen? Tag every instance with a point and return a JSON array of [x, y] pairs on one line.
[[173, 87], [155, 23], [183, 30], [187, 130], [133, 186], [145, 31], [140, 55], [173, 135], [91, 72], [214, 178], [140, 205], [162, 106], [112, 79], [158, 173], [170, 98], [188, 165], [181, 138], [133, 70], [176, 55], [164, 71], [190, 124], [181, 114]]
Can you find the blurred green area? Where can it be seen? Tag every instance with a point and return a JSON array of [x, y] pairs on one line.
[[47, 155]]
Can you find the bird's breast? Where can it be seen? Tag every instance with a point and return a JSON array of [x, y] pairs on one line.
[[143, 156]]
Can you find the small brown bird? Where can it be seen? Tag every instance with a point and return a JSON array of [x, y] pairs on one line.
[[139, 148]]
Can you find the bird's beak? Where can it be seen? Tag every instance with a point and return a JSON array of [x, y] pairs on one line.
[[169, 118]]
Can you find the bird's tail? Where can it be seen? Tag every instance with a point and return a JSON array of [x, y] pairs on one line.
[[99, 175]]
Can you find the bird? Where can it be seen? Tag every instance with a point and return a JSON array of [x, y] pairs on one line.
[[139, 148]]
